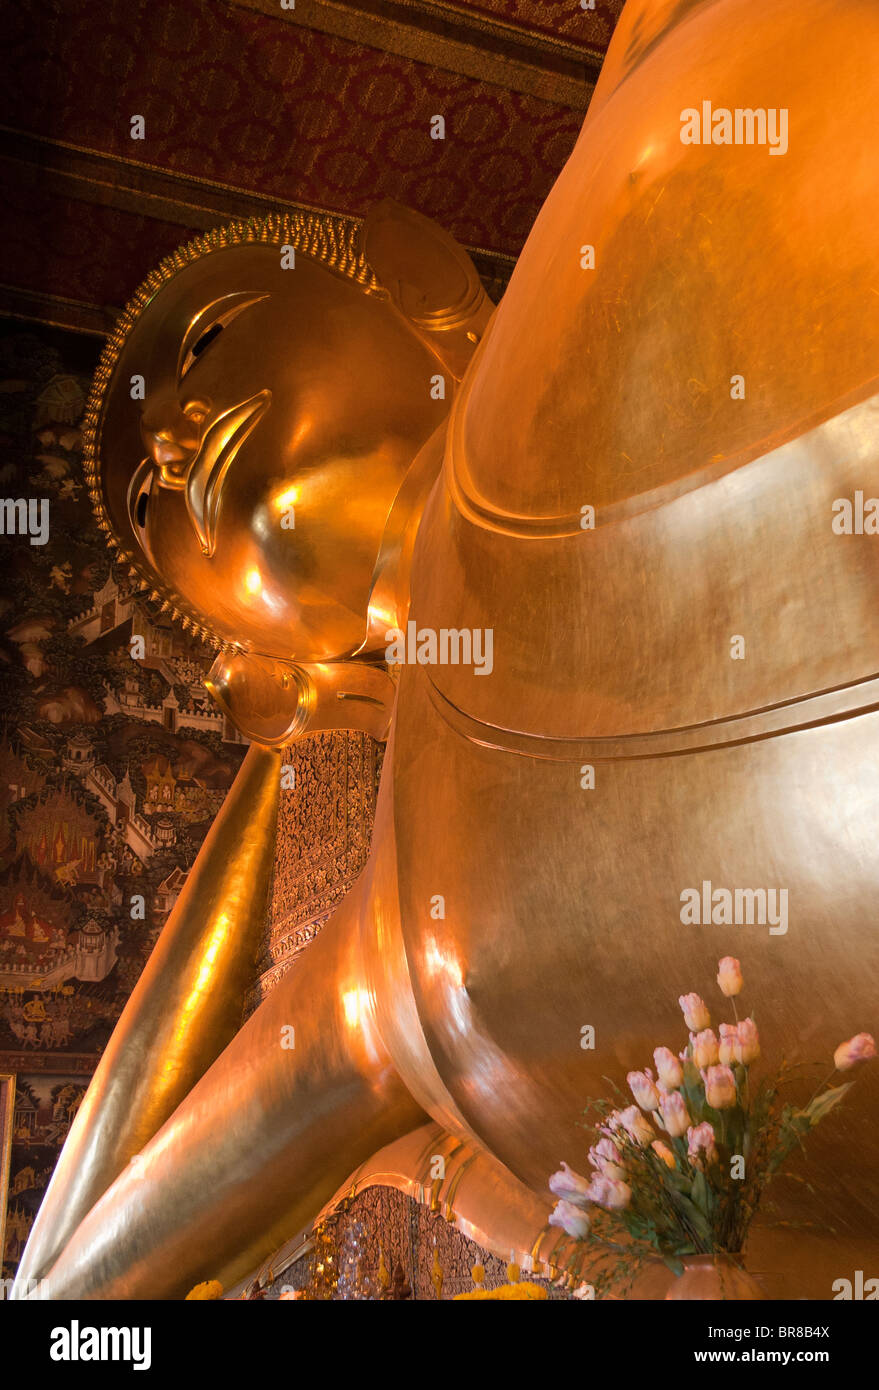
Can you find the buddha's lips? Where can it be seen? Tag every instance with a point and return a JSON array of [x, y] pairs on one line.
[[204, 483]]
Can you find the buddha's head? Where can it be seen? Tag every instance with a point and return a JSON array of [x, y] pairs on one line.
[[257, 408]]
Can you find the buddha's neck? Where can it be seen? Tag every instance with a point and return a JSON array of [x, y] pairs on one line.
[[389, 596]]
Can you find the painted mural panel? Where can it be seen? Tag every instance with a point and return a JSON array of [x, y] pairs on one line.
[[43, 1113], [111, 768]]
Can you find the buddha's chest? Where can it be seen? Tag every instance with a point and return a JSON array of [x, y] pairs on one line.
[[554, 907]]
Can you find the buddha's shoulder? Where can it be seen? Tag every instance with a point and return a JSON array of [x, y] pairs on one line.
[[696, 288]]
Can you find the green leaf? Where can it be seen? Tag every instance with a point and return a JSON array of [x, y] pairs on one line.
[[695, 1217], [692, 1075], [678, 1181], [823, 1104], [699, 1194]]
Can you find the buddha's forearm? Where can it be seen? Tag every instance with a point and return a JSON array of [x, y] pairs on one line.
[[183, 1011], [303, 1094]]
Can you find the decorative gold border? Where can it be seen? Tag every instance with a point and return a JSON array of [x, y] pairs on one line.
[[333, 240], [74, 315], [7, 1112]]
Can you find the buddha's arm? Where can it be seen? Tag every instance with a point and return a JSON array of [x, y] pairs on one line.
[[185, 1008], [304, 1093]]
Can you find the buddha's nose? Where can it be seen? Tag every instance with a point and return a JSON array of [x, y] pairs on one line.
[[172, 434]]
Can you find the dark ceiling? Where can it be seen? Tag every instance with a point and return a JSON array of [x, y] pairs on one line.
[[249, 106]]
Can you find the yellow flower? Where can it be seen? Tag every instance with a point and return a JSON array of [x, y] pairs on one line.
[[211, 1289], [664, 1152], [506, 1293], [729, 976]]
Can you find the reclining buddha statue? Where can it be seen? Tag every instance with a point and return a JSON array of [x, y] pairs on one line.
[[575, 558]]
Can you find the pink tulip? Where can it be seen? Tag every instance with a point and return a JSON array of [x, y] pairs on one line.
[[704, 1045], [569, 1185], [639, 1129], [696, 1015], [606, 1157], [668, 1068], [729, 976], [701, 1147], [609, 1193], [860, 1048], [720, 1087], [729, 1044], [675, 1116], [642, 1088], [571, 1219], [748, 1049]]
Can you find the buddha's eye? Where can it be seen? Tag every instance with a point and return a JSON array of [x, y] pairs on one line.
[[207, 338], [139, 491], [210, 324]]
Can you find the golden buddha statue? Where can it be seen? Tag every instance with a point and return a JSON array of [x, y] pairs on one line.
[[633, 494]]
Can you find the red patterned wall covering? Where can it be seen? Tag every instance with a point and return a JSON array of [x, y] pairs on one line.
[[236, 96]]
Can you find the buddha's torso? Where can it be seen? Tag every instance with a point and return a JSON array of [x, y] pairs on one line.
[[614, 647]]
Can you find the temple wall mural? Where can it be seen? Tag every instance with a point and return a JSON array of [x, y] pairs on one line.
[[112, 770]]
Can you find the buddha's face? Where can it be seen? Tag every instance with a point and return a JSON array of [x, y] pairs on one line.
[[281, 410]]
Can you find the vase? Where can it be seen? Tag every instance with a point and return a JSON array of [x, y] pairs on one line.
[[714, 1277]]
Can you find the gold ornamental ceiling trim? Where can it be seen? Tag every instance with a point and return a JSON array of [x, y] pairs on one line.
[[487, 24], [447, 37], [53, 310]]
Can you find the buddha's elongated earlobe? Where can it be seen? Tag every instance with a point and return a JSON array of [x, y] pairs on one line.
[[276, 702], [431, 280]]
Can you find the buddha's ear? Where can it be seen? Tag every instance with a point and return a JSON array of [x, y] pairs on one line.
[[431, 280]]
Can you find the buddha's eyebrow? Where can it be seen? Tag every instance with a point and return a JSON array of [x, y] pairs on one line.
[[214, 315]]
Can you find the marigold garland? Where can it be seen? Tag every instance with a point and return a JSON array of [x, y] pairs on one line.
[[211, 1288], [507, 1293]]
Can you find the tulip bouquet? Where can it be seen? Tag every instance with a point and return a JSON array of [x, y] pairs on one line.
[[682, 1171]]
